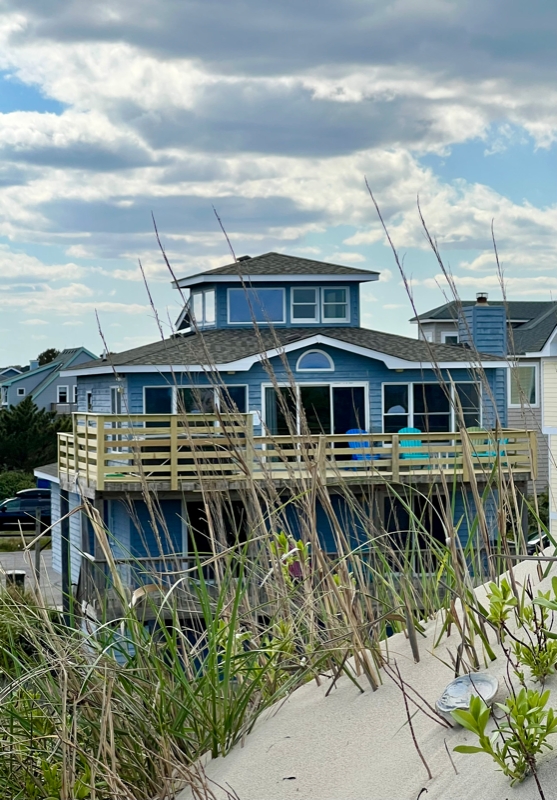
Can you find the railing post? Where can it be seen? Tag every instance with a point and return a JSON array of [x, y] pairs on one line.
[[322, 458], [466, 456], [395, 457], [532, 435], [174, 452], [100, 452], [250, 447]]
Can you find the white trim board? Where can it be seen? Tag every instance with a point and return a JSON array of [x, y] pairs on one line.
[[392, 362], [38, 474], [360, 277]]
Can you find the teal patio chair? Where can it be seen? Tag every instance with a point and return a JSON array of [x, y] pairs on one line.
[[411, 443]]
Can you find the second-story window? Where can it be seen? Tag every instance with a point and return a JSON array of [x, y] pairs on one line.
[[265, 306], [202, 304], [305, 304], [335, 305], [62, 394]]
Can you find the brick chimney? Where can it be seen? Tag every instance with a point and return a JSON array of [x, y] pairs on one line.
[[483, 326]]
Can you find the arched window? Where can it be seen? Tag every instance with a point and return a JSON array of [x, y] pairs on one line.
[[315, 361]]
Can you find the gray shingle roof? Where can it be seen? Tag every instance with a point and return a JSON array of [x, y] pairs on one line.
[[280, 264], [540, 320], [225, 345], [517, 309], [531, 337]]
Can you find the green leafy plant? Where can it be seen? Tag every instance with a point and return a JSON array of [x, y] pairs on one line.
[[501, 604], [538, 651], [518, 739]]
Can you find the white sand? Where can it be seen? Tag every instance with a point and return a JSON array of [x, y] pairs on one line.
[[353, 746]]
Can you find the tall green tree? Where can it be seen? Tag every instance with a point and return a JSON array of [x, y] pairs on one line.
[[28, 436], [47, 356]]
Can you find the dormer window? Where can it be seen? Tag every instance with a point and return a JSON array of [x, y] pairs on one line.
[[305, 304], [335, 305], [265, 306], [202, 306]]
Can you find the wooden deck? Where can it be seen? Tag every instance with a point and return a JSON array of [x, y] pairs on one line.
[[173, 452]]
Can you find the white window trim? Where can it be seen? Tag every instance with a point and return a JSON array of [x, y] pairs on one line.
[[410, 412], [536, 382], [74, 393], [337, 319], [202, 323], [330, 368], [67, 388], [444, 335], [89, 397], [299, 385], [250, 321], [309, 320], [21, 391]]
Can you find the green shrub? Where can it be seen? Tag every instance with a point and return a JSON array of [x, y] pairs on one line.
[[13, 481]]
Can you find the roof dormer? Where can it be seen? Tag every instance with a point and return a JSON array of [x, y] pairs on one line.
[[273, 289]]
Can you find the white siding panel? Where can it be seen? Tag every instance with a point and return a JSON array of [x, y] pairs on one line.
[[550, 394]]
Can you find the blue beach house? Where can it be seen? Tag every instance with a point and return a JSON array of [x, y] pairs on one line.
[[269, 380]]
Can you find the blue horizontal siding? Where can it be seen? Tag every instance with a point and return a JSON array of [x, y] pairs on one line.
[[349, 368]]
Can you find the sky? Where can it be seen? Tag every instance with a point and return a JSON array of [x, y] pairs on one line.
[[275, 114]]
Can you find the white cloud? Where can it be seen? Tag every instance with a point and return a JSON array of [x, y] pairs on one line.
[[79, 251], [350, 258], [33, 322]]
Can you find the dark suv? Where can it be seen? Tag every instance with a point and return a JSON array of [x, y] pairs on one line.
[[23, 509]]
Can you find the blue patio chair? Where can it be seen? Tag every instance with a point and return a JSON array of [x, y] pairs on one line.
[[358, 446], [411, 443]]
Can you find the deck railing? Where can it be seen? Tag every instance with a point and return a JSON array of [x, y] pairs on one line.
[[177, 450]]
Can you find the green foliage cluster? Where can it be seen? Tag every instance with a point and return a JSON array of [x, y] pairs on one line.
[[14, 481], [518, 739], [28, 436], [47, 356], [501, 603]]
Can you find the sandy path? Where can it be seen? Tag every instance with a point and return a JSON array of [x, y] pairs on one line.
[[354, 746]]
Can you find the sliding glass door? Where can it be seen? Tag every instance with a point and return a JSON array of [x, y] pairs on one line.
[[319, 409]]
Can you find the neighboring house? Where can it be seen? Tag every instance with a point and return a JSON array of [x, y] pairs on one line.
[[44, 384], [532, 353], [9, 372], [290, 318]]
